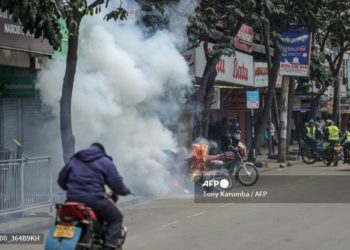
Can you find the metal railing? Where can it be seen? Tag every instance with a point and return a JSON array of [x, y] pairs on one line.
[[25, 184]]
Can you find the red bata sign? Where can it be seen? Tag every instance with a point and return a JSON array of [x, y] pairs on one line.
[[240, 72], [238, 69], [244, 38]]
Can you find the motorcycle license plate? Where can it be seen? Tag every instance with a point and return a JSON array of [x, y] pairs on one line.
[[62, 231]]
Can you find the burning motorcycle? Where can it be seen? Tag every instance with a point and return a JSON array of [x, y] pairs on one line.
[[77, 227], [230, 163]]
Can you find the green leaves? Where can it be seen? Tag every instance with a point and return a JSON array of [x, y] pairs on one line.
[[219, 22], [119, 13], [39, 17]]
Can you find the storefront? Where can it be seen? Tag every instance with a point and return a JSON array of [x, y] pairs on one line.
[[21, 114], [20, 109]]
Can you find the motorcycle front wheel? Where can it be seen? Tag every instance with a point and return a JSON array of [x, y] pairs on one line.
[[247, 174], [308, 156]]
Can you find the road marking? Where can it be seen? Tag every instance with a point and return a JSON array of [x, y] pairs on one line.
[[197, 214], [167, 225], [225, 205]]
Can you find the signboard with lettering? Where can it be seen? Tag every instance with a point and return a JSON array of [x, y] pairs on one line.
[[236, 99], [16, 84], [295, 58], [12, 37], [244, 38], [253, 99], [238, 69], [189, 56], [261, 78]]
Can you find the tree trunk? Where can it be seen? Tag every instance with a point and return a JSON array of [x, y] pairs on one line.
[[273, 69], [282, 138], [276, 114], [336, 101], [204, 98], [314, 105], [290, 111], [67, 137]]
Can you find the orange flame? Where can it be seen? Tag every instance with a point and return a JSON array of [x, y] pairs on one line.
[[200, 153]]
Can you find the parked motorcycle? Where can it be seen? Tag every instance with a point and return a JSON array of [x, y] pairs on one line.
[[231, 163], [334, 154], [312, 153], [77, 227]]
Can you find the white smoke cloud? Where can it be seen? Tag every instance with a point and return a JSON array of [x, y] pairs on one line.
[[126, 85]]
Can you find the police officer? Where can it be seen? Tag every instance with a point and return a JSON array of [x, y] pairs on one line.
[[332, 134], [311, 132]]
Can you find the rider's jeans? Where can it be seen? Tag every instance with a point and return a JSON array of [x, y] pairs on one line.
[[106, 210]]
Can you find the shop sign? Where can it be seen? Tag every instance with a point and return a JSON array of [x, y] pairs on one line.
[[244, 38], [12, 37], [237, 99], [295, 58], [253, 99], [190, 59], [238, 69], [16, 86], [261, 77]]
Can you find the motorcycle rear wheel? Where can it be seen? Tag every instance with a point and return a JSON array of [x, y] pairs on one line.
[[248, 174], [335, 159]]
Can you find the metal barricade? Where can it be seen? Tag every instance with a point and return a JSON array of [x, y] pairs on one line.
[[25, 184]]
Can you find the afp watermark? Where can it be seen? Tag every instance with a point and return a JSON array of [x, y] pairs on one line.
[[229, 196]]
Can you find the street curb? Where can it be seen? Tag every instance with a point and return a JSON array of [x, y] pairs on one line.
[[268, 168]]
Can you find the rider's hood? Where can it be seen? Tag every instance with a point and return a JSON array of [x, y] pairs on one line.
[[89, 154]]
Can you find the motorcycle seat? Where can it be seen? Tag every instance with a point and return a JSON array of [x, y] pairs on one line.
[[214, 157], [74, 211]]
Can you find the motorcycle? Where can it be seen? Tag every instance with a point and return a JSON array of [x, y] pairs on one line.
[[230, 163], [312, 153], [77, 227], [334, 154]]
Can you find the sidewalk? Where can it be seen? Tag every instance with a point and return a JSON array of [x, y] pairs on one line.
[[38, 220], [270, 164]]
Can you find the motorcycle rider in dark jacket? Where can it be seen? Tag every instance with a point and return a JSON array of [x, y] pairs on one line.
[[84, 177]]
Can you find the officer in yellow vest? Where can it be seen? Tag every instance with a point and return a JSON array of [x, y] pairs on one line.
[[311, 132], [332, 134], [346, 143]]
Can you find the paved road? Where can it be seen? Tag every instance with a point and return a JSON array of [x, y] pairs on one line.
[[179, 223]]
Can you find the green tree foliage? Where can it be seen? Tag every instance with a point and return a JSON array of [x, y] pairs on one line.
[[217, 22], [276, 17], [38, 17], [333, 39]]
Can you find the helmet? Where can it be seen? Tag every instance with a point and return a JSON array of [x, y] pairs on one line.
[[311, 122], [328, 121]]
